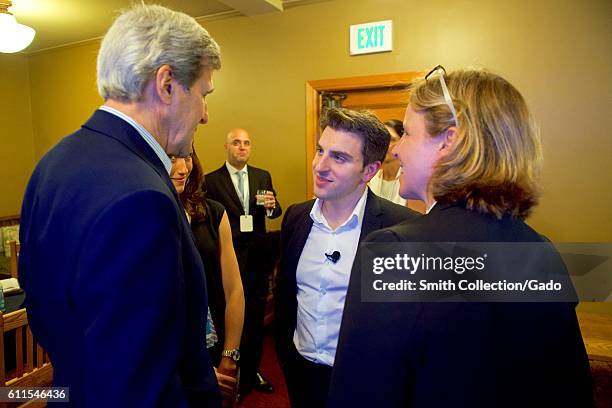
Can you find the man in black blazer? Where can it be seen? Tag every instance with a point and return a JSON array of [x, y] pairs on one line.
[[115, 288], [319, 239], [235, 185]]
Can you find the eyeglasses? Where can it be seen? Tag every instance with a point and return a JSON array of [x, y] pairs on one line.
[[439, 69]]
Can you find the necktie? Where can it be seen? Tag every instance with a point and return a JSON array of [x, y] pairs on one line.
[[245, 204]]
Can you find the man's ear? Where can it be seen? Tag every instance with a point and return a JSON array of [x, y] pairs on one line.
[[164, 84], [448, 140], [370, 170]]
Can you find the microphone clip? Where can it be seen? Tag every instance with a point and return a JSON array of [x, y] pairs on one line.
[[333, 257]]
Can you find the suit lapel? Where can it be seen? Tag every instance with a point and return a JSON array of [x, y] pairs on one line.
[[227, 185], [299, 236], [303, 224], [114, 127], [253, 187], [118, 129], [372, 221], [371, 216]]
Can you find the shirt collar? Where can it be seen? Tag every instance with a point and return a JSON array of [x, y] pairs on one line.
[[144, 133], [232, 170], [431, 207], [380, 175], [352, 221]]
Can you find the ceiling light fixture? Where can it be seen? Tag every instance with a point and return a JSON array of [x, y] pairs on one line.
[[14, 37]]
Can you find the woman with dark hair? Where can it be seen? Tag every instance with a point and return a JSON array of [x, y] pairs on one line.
[[213, 235], [471, 153], [396, 125], [385, 183]]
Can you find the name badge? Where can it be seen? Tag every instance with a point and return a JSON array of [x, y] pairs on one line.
[[246, 223]]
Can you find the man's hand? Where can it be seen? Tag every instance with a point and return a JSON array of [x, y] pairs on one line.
[[270, 201]]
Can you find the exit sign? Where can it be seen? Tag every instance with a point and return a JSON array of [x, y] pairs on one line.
[[371, 37]]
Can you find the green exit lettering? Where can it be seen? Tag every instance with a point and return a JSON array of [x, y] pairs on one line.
[[370, 37]]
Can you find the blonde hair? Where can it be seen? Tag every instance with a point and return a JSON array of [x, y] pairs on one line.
[[496, 160]]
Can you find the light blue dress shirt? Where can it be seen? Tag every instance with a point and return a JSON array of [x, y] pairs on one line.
[[322, 284]]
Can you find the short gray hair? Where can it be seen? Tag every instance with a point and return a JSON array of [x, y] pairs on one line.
[[146, 37]]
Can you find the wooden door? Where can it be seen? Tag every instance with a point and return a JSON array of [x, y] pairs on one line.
[[385, 95]]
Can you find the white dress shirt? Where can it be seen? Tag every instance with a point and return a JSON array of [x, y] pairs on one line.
[[388, 189], [148, 137], [431, 207], [322, 284]]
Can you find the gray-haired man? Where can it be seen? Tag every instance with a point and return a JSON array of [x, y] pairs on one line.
[[115, 287]]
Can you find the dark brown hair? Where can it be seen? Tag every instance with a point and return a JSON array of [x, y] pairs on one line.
[[374, 135], [193, 194], [397, 125]]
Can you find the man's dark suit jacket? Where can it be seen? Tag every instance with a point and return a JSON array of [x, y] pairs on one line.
[[219, 187], [472, 355], [115, 287], [379, 213]]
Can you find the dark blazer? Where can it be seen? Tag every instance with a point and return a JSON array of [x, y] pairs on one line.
[[248, 245], [219, 187], [459, 354], [115, 287], [206, 234], [379, 213]]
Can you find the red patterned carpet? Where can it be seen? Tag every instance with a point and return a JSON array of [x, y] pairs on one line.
[[270, 369]]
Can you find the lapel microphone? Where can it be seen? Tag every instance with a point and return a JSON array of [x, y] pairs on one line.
[[334, 256]]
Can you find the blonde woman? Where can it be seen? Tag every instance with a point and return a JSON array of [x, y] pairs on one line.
[[471, 154]]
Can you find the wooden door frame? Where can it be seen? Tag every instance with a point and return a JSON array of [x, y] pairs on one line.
[[313, 104]]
